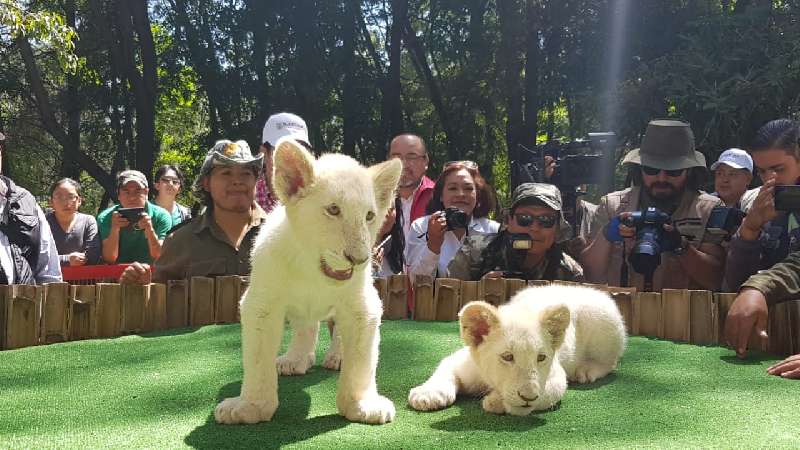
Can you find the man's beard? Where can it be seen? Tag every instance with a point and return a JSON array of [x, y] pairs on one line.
[[407, 182], [663, 196]]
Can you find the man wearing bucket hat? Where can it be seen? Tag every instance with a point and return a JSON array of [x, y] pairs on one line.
[[666, 172], [277, 126], [733, 172], [127, 238], [218, 241], [530, 245]]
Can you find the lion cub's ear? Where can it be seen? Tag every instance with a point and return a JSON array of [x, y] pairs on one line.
[[385, 177], [294, 170], [555, 320], [477, 319]]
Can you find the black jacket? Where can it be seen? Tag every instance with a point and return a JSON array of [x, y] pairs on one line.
[[20, 223]]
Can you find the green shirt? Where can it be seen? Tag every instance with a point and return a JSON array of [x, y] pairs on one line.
[[133, 243]]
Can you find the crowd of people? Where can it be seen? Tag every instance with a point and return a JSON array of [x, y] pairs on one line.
[[661, 231]]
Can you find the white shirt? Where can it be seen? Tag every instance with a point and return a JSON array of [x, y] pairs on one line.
[[48, 268], [406, 203], [422, 261]]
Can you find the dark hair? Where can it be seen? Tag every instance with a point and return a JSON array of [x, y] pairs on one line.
[[398, 240], [69, 181], [486, 200], [695, 179], [783, 134], [163, 169]]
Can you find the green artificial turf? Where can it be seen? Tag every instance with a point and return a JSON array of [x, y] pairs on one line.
[[159, 391]]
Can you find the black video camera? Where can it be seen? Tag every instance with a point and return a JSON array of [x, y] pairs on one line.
[[787, 198], [726, 220], [646, 253], [577, 162], [456, 218], [517, 246]]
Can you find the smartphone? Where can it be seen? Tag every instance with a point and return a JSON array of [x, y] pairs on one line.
[[787, 198], [132, 214]]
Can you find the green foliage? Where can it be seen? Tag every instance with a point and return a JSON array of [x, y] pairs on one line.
[[46, 27]]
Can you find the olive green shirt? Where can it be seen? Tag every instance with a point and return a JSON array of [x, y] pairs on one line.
[[780, 282], [475, 259], [200, 248]]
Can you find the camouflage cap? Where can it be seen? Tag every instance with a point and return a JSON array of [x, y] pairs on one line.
[[131, 175], [229, 153], [544, 193]]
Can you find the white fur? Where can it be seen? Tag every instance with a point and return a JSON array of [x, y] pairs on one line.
[[288, 283], [576, 331]]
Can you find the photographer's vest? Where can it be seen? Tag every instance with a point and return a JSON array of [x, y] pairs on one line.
[[690, 218]]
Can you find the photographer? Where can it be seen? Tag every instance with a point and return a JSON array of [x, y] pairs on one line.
[[767, 235], [530, 246], [666, 173], [133, 235], [459, 207]]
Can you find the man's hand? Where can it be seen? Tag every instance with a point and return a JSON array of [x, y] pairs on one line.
[[436, 228], [761, 212], [748, 312], [118, 221], [624, 230], [77, 259], [136, 273], [493, 274], [145, 223], [788, 368], [549, 167]]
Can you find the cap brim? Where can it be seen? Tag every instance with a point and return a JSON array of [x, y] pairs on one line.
[[730, 164]]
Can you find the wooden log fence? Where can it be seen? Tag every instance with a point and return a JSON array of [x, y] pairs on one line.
[[58, 312]]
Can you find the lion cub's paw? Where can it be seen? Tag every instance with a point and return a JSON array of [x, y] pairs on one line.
[[294, 365], [493, 403], [589, 372], [431, 397], [333, 360], [376, 409], [236, 410]]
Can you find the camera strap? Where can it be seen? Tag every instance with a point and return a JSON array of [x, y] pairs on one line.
[[623, 270]]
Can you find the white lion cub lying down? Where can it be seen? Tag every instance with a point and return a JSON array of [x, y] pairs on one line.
[[522, 354], [311, 261]]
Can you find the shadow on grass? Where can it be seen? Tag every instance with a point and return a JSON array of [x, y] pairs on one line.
[[753, 359], [473, 418], [290, 424], [594, 385], [170, 332]]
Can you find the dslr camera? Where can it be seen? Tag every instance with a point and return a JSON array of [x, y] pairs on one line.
[[646, 253], [517, 246], [456, 218]]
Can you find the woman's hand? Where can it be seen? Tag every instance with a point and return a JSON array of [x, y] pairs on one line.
[[77, 259], [437, 226]]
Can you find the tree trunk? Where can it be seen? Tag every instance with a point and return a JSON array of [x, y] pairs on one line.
[[350, 100], [391, 108], [509, 62]]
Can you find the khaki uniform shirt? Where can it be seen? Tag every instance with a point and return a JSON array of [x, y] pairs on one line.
[[200, 248], [475, 259], [690, 218], [779, 283]]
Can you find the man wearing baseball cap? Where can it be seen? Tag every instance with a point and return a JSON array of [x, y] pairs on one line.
[[218, 241], [733, 172], [666, 172], [529, 247], [136, 234], [277, 126]]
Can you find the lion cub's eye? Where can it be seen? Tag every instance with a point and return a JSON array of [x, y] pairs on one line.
[[333, 210], [370, 216], [507, 357], [541, 357]]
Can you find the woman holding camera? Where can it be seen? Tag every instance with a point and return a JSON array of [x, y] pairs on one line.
[[530, 247], [459, 208]]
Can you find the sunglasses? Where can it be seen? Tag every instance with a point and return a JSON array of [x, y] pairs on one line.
[[468, 164], [670, 173], [526, 220]]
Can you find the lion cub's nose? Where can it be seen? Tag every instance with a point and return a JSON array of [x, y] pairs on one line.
[[527, 399], [354, 261]]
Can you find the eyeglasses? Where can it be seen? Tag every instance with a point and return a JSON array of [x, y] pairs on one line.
[[526, 220], [170, 180], [411, 157], [466, 163], [647, 170], [65, 198]]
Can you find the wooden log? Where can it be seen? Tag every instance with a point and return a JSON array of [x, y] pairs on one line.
[[23, 307], [779, 330], [513, 286], [382, 287], [448, 298], [424, 306], [724, 301], [564, 283], [647, 315], [794, 324], [55, 313], [704, 314], [177, 303], [624, 302], [493, 291], [226, 302], [134, 304], [156, 311], [538, 283], [676, 310], [201, 301], [83, 319], [109, 309], [243, 285], [398, 297], [470, 292]]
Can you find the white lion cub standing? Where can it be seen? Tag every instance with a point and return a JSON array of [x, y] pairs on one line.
[[311, 261], [522, 354]]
